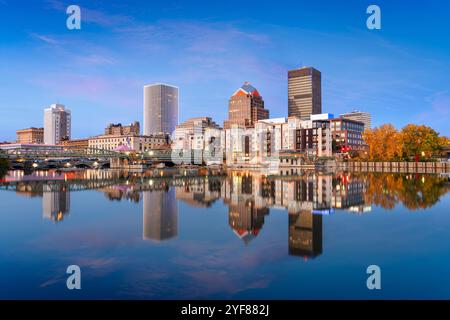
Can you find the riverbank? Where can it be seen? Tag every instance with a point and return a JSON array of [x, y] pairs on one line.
[[395, 167]]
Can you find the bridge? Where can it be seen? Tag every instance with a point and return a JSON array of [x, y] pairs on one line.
[[48, 157]]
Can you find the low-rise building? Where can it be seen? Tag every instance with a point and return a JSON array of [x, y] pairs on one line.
[[360, 116], [197, 141], [75, 143], [347, 134], [30, 136], [134, 143], [120, 130], [20, 148], [272, 137]]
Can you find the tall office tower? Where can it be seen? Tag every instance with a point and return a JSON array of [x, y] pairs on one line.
[[246, 107], [57, 124], [359, 116], [304, 92], [160, 215], [160, 108]]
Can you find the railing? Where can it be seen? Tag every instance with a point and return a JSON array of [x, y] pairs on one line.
[[394, 167], [64, 152]]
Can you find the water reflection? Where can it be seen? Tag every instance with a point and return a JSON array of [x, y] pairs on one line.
[[55, 205], [160, 215], [248, 196]]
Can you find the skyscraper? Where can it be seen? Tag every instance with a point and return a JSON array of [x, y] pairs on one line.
[[360, 116], [160, 108], [246, 106], [304, 92], [57, 124]]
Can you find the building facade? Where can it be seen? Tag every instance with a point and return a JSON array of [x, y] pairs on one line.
[[197, 141], [304, 92], [271, 139], [119, 129], [360, 116], [75, 143], [132, 143], [57, 124], [160, 109], [30, 136], [246, 107], [347, 134]]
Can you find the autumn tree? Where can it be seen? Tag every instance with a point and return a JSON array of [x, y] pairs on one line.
[[384, 143], [420, 141]]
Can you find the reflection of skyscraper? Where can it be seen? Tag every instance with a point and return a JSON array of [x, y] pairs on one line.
[[55, 205], [305, 234], [246, 220], [160, 215]]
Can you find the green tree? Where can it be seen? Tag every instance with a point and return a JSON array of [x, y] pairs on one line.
[[4, 166], [420, 141]]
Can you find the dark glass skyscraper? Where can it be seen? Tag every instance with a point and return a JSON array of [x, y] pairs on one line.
[[304, 92]]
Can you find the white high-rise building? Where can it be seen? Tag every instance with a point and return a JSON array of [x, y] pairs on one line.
[[160, 108], [57, 124], [360, 116]]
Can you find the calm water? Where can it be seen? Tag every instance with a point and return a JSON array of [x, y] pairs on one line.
[[241, 235]]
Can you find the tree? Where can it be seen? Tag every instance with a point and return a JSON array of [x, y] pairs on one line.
[[420, 141], [4, 165], [384, 142]]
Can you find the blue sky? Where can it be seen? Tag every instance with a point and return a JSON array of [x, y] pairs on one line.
[[400, 74]]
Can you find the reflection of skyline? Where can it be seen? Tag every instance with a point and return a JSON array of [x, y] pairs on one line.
[[55, 205], [160, 215], [249, 197], [305, 234]]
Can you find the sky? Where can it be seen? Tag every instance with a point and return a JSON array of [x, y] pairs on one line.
[[400, 74]]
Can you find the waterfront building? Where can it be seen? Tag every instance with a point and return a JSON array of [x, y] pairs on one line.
[[304, 92], [57, 124], [160, 109], [348, 134], [271, 138], [18, 148], [75, 143], [198, 140], [246, 107], [132, 143], [30, 136], [120, 130], [360, 116]]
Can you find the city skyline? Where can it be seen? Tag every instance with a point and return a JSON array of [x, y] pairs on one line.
[[368, 70]]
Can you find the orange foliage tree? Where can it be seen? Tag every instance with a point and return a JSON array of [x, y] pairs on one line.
[[384, 143]]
